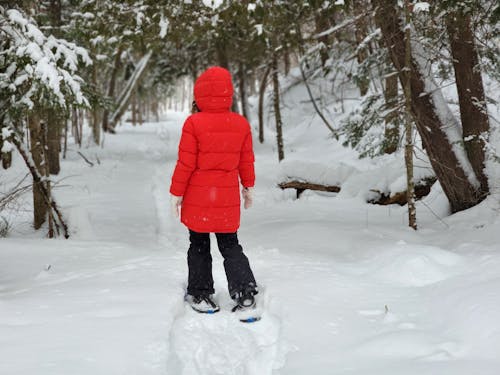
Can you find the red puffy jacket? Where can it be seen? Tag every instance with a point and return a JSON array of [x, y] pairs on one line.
[[215, 149]]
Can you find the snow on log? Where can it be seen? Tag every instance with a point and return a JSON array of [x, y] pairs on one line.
[[301, 186]]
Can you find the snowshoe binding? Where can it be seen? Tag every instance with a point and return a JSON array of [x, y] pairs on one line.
[[246, 307], [203, 304]]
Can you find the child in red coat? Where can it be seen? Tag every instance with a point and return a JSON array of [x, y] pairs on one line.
[[215, 155]]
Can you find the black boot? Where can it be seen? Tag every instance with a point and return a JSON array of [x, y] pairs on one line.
[[238, 272]]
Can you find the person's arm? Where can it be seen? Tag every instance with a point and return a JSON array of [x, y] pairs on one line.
[[186, 161], [247, 159], [246, 169]]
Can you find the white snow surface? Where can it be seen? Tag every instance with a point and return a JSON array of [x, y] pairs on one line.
[[346, 287]]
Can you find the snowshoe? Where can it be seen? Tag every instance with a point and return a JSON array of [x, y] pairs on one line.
[[246, 308], [203, 304]]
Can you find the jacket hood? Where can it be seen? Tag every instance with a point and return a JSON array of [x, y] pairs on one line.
[[213, 90]]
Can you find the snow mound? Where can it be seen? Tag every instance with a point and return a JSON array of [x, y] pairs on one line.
[[407, 344], [318, 173], [221, 344], [410, 265]]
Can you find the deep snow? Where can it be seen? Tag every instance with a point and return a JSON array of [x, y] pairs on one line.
[[346, 287]]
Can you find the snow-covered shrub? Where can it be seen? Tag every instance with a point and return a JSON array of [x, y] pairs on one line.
[[36, 70], [364, 127]]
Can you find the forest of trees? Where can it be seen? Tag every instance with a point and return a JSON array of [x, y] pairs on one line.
[[66, 64]]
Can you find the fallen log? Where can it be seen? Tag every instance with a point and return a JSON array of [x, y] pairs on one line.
[[301, 186], [422, 189]]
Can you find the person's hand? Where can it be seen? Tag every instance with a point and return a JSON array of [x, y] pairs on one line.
[[247, 196], [175, 204]]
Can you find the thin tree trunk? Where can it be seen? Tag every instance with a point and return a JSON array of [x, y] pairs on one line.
[[65, 138], [96, 125], [286, 60], [361, 31], [134, 110], [262, 91], [277, 111], [111, 90], [140, 109], [46, 183], [391, 132], [410, 186], [473, 111], [321, 24], [435, 126], [224, 63], [53, 141], [39, 203], [243, 89]]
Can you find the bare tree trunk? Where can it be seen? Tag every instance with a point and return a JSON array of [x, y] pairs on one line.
[[243, 89], [277, 111], [410, 185], [40, 207], [391, 133], [286, 60], [96, 125], [111, 90], [80, 127], [140, 109], [455, 175], [224, 63], [360, 34], [321, 24], [65, 138], [53, 141], [262, 91], [134, 110], [46, 183], [473, 111]]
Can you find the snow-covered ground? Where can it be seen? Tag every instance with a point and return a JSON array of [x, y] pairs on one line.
[[346, 287]]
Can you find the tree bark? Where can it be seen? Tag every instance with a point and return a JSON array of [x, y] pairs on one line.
[[53, 141], [111, 90], [322, 23], [277, 111], [410, 186], [40, 207], [224, 63], [457, 184], [473, 111], [391, 132], [243, 90], [361, 31], [96, 125], [262, 91]]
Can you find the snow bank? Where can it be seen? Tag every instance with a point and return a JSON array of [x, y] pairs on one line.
[[410, 265]]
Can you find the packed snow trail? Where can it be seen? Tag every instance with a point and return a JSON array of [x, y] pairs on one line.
[[345, 287]]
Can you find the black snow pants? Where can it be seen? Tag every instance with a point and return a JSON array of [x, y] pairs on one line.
[[239, 275]]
